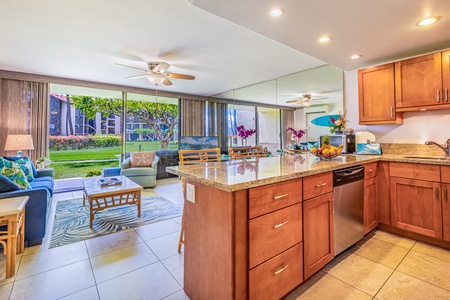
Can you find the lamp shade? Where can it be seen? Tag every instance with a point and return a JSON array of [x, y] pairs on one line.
[[19, 142], [156, 79]]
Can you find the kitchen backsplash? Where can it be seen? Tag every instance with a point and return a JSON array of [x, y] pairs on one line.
[[411, 149]]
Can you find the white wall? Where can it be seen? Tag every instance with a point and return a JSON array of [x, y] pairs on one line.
[[417, 127]]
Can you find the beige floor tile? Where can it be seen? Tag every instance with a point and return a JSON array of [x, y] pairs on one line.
[[180, 295], [151, 282], [426, 268], [34, 249], [403, 286], [381, 252], [77, 194], [87, 294], [43, 261], [164, 246], [111, 242], [175, 265], [119, 262], [359, 272], [177, 219], [157, 229], [433, 251], [56, 283], [62, 196], [323, 286], [393, 239], [3, 279], [5, 290]]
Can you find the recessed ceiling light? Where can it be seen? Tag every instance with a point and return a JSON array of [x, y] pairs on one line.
[[324, 39], [356, 56], [427, 21], [276, 12]]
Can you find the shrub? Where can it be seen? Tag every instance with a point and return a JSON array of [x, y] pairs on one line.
[[92, 173], [83, 142]]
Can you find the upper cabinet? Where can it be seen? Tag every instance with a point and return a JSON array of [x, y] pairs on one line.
[[446, 76], [377, 96], [418, 81]]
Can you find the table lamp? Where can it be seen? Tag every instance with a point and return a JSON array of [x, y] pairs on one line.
[[19, 142]]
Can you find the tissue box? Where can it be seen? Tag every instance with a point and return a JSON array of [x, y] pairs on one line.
[[374, 149]]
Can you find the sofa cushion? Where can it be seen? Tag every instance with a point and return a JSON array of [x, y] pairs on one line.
[[142, 171], [42, 183], [6, 185], [25, 164], [142, 159], [14, 173]]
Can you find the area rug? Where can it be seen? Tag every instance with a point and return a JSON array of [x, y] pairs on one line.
[[71, 222]]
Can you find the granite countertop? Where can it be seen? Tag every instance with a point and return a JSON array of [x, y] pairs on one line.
[[243, 174]]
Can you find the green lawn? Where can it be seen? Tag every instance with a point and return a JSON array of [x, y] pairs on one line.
[[73, 163]]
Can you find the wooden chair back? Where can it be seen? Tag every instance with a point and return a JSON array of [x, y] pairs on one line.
[[246, 152], [195, 157]]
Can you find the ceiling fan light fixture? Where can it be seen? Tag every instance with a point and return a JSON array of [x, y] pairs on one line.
[[355, 56], [307, 103], [325, 39], [155, 79], [276, 12], [427, 21]]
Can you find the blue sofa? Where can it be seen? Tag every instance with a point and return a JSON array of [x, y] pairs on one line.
[[38, 205]]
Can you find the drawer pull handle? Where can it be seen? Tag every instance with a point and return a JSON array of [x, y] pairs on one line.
[[445, 193], [370, 171], [321, 185], [436, 189], [438, 96], [280, 197], [281, 270], [279, 225]]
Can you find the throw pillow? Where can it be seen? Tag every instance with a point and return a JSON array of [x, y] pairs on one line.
[[142, 159], [14, 173], [6, 185], [25, 164]]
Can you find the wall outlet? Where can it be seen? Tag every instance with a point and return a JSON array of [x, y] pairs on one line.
[[190, 192]]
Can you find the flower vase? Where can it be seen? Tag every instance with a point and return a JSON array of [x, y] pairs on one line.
[[243, 142]]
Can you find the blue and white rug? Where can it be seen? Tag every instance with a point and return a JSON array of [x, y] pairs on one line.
[[71, 222]]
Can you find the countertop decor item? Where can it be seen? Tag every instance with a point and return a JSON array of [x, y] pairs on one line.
[[338, 124], [244, 134], [296, 135]]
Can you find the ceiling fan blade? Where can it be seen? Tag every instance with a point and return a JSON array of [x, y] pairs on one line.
[[180, 76], [318, 98], [136, 76], [294, 101], [167, 82], [162, 67], [125, 66]]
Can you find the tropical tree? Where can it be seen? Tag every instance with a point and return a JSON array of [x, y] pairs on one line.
[[161, 117]]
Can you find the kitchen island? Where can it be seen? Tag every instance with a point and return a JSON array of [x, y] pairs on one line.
[[257, 228]]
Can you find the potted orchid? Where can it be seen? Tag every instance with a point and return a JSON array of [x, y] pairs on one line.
[[244, 133], [296, 134]]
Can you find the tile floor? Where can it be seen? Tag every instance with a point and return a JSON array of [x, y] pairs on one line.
[[143, 263]]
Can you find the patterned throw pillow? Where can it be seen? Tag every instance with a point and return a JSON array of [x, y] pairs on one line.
[[14, 173], [25, 164], [142, 159]]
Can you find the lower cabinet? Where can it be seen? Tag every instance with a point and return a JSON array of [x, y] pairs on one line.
[[276, 277], [370, 205], [318, 234], [446, 211], [416, 206]]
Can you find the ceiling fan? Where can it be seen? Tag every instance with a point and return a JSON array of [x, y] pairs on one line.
[[307, 99], [157, 73]]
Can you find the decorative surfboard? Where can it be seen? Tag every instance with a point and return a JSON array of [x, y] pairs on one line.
[[324, 121]]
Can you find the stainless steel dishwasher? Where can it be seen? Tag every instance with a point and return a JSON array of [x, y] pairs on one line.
[[348, 194]]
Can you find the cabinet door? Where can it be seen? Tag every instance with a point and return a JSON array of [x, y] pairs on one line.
[[370, 205], [446, 210], [418, 81], [446, 77], [416, 206], [377, 96], [318, 234]]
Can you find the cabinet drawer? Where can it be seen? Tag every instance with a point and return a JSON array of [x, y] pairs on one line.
[[415, 171], [277, 276], [370, 170], [273, 233], [445, 174], [268, 198], [317, 185]]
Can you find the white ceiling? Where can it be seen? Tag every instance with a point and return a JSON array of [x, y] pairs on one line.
[[84, 39]]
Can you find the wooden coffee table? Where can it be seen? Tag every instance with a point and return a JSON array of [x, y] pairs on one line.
[[101, 198]]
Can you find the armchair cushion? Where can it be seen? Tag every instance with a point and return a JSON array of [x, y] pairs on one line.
[[142, 159], [141, 171], [6, 185]]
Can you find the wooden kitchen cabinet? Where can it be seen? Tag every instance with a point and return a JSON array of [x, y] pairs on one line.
[[418, 81], [383, 195], [446, 76], [445, 178], [370, 205], [318, 233], [376, 92]]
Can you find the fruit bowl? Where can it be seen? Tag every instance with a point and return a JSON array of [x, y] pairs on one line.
[[326, 157]]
